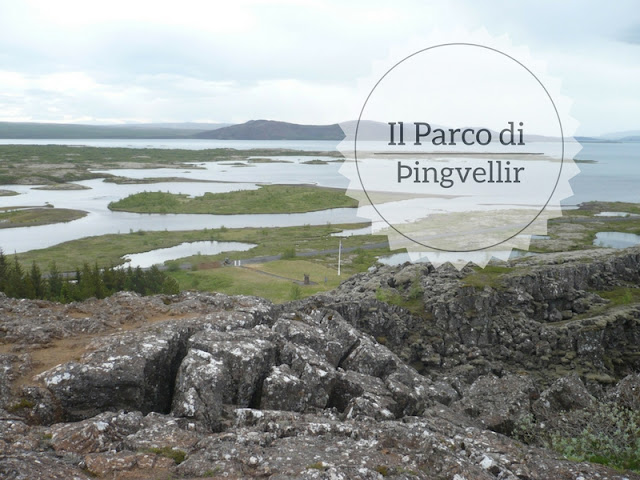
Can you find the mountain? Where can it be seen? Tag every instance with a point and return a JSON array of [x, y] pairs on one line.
[[626, 136], [200, 126], [273, 130], [28, 130]]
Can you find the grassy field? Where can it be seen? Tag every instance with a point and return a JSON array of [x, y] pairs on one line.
[[250, 280], [63, 186], [107, 250], [31, 217], [266, 199], [147, 180], [591, 208], [30, 164]]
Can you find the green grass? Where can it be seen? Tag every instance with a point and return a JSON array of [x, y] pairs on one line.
[[22, 404], [30, 217], [489, 276], [26, 164], [316, 161], [597, 207], [176, 455], [267, 160], [621, 296], [411, 300], [63, 186], [414, 305], [148, 180], [266, 199], [249, 281], [107, 250], [610, 437]]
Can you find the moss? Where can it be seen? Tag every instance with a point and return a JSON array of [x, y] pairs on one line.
[[383, 470], [213, 472], [381, 340], [489, 276], [414, 304], [600, 378], [620, 295], [22, 404], [317, 466], [176, 455]]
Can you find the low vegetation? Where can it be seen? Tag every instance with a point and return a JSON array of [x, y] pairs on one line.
[[31, 217], [591, 208], [279, 281], [175, 454], [50, 164], [604, 433], [621, 295], [489, 276], [266, 199], [411, 300], [108, 250]]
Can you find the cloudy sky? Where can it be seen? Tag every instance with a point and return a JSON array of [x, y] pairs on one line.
[[291, 60]]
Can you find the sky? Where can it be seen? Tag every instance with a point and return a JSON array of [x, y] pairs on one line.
[[291, 60]]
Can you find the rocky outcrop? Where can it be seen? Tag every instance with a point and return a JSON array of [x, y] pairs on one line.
[[498, 403], [340, 386], [540, 314]]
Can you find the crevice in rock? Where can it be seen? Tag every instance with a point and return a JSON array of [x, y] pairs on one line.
[[173, 370], [160, 390], [256, 398], [355, 345], [342, 393]]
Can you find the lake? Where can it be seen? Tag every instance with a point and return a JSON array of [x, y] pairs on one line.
[[614, 177], [616, 239], [187, 249]]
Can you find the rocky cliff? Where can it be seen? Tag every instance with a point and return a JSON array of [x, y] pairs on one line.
[[403, 372]]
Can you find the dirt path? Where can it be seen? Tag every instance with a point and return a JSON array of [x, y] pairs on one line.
[[277, 276]]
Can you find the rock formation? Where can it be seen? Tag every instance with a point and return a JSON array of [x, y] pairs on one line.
[[334, 386]]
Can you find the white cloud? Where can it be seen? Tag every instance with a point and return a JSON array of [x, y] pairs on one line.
[[291, 60]]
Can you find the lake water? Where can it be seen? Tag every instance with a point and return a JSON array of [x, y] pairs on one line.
[[615, 214], [101, 220], [615, 177], [616, 239], [187, 249]]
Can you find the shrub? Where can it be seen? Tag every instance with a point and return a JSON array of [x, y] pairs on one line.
[[289, 253], [607, 434], [296, 292], [610, 435], [415, 291]]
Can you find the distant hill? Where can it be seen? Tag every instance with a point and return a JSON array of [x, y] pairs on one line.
[[273, 130], [194, 126], [27, 130], [623, 136]]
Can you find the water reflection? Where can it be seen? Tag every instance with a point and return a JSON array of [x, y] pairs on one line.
[[616, 239], [187, 249]]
